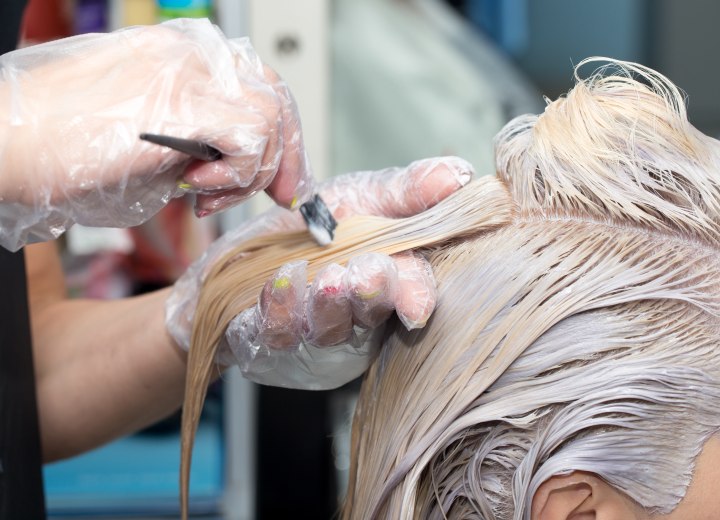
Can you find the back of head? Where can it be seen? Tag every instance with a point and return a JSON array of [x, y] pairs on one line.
[[582, 336]]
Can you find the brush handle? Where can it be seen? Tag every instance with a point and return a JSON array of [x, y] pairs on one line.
[[191, 147]]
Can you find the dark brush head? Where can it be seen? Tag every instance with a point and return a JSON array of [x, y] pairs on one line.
[[320, 221]]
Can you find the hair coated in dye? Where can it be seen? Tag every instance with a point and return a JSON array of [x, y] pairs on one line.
[[581, 336], [234, 282], [577, 310]]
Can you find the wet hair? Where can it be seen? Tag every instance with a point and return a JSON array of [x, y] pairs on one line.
[[581, 336], [236, 279], [576, 325]]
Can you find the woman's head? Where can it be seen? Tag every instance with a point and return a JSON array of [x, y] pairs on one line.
[[578, 341]]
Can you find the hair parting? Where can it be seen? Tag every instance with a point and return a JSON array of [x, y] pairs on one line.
[[577, 309], [561, 340]]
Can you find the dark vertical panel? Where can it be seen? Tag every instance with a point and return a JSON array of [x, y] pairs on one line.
[[295, 477], [21, 488], [10, 16]]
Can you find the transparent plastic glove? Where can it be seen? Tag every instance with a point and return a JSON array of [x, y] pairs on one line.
[[71, 112], [324, 334]]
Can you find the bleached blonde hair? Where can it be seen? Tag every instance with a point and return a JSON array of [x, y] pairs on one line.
[[582, 334], [577, 320]]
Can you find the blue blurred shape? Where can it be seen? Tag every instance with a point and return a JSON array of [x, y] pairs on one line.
[[137, 475]]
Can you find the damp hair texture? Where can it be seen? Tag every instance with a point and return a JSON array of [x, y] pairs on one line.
[[582, 336], [577, 317], [235, 280]]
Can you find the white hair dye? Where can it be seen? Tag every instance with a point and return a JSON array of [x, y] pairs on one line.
[[583, 336]]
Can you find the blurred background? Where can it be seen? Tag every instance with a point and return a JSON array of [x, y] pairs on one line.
[[379, 83]]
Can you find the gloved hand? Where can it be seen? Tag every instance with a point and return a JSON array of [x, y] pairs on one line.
[[320, 336], [74, 108]]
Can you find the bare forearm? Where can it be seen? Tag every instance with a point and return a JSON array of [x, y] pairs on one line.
[[104, 369]]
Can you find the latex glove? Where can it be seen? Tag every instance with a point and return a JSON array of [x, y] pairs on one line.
[[72, 110], [322, 335]]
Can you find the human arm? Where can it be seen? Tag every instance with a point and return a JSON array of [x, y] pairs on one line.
[[108, 368], [71, 112], [103, 368]]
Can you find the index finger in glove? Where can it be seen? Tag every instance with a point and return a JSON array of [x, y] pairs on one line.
[[293, 184], [211, 203], [245, 124], [398, 192], [248, 148], [267, 153], [248, 133]]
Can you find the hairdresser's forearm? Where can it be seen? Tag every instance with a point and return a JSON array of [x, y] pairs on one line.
[[104, 369]]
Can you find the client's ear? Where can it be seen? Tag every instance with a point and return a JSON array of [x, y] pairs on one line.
[[582, 496]]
